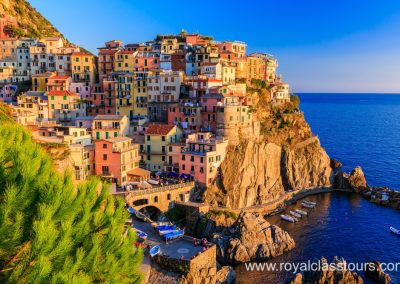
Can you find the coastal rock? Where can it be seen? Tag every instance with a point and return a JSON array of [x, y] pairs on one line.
[[253, 239], [335, 164], [357, 179], [328, 274], [226, 275], [255, 173], [214, 223], [374, 271]]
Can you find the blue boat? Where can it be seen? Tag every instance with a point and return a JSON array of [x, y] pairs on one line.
[[131, 210], [155, 250], [165, 227], [173, 235], [395, 231], [141, 235]]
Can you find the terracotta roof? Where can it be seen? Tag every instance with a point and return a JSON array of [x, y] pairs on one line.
[[59, 77], [81, 53], [139, 172], [61, 93], [159, 129], [107, 51]]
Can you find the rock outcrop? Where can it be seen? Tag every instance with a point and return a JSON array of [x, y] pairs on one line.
[[332, 274], [226, 275], [374, 272], [335, 164], [252, 238], [255, 173], [356, 181]]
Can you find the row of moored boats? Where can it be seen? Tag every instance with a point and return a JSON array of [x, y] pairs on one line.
[[295, 215]]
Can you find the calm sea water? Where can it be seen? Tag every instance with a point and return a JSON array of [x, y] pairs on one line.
[[357, 129]]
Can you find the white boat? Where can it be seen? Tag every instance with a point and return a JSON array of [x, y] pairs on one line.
[[307, 205], [156, 224], [395, 231], [301, 212], [141, 235], [295, 214], [152, 181], [287, 218], [165, 232], [310, 202]]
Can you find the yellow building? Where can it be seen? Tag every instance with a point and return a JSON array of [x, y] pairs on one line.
[[123, 60], [108, 126], [39, 81], [256, 67], [83, 67], [131, 95], [158, 136], [65, 106]]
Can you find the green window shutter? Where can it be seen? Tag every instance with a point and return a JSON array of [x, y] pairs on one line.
[[97, 135], [106, 135], [115, 134], [52, 106]]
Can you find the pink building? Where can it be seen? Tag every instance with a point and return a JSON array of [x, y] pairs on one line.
[[81, 88], [103, 99], [115, 158], [187, 115], [209, 105], [202, 156], [145, 61], [6, 92], [59, 83]]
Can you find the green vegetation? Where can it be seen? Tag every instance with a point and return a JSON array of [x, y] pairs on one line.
[[227, 214], [53, 231], [177, 215]]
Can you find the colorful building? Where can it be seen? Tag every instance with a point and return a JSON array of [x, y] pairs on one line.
[[157, 138], [36, 103], [65, 106], [108, 126], [115, 158], [202, 156], [187, 115], [83, 67]]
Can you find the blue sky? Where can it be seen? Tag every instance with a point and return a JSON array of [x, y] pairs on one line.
[[321, 46]]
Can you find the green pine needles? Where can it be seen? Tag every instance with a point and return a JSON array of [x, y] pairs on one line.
[[53, 231]]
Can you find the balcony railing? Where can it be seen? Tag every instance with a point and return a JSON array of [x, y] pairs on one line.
[[160, 189]]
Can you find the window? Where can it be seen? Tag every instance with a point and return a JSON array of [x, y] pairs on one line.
[[155, 199], [183, 167], [163, 149], [105, 170], [115, 134], [163, 138], [105, 157], [192, 158], [148, 137], [201, 170], [183, 157], [169, 196], [104, 146]]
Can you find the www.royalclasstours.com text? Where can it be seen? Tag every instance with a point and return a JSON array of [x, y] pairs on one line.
[[296, 267]]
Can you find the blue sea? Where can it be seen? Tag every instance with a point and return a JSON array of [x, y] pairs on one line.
[[357, 129]]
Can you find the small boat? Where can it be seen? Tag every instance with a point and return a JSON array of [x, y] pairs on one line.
[[141, 216], [165, 228], [304, 213], [295, 214], [307, 205], [310, 202], [175, 234], [141, 235], [162, 233], [131, 210], [155, 224], [395, 231], [154, 251], [152, 181], [287, 218]]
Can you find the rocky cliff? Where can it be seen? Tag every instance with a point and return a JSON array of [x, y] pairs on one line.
[[29, 22], [259, 170]]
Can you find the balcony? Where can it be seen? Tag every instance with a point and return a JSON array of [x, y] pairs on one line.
[[127, 148]]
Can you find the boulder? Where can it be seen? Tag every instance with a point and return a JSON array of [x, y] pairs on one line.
[[374, 271], [226, 275], [327, 274], [253, 239]]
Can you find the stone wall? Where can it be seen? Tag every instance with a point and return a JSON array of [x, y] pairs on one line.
[[201, 269]]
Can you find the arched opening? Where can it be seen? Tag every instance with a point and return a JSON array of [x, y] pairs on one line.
[[151, 211], [140, 202]]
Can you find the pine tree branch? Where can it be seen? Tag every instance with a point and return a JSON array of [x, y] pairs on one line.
[[15, 258]]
